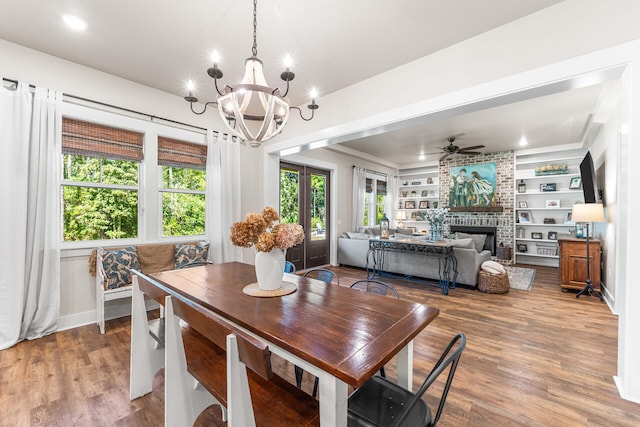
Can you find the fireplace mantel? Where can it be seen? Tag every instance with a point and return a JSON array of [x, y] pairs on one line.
[[476, 209]]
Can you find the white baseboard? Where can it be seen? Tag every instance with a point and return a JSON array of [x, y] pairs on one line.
[[620, 387], [113, 311]]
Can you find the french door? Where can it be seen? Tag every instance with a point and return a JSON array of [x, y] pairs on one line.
[[304, 199]]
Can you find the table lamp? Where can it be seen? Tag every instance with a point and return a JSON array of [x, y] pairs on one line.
[[400, 217], [587, 213]]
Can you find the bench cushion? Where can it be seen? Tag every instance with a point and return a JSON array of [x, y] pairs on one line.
[[117, 265]]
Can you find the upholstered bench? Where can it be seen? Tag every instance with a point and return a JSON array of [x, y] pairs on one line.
[[112, 267]]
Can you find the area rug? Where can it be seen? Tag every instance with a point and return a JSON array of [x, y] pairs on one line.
[[521, 278]]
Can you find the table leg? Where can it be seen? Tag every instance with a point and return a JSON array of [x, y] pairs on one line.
[[334, 395], [404, 359]]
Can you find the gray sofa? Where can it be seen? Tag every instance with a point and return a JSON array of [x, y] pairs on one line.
[[353, 252]]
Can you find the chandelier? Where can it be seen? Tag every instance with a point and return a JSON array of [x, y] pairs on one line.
[[251, 109]]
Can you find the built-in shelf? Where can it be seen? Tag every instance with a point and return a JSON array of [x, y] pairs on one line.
[[533, 224], [549, 193], [545, 209], [541, 177], [558, 160], [536, 255], [536, 240]]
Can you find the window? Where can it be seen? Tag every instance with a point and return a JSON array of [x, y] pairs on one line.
[[100, 181], [374, 200], [127, 180], [183, 168]]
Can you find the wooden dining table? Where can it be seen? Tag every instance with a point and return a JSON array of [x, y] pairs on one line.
[[342, 335]]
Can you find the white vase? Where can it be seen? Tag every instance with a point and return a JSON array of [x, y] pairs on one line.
[[270, 269]]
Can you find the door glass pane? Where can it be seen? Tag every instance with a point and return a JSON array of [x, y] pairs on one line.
[[318, 207], [289, 196]]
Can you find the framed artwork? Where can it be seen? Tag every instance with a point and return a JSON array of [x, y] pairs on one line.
[[424, 204], [536, 235], [568, 218], [548, 187], [473, 185], [410, 204], [554, 203], [522, 205], [425, 193], [524, 217], [575, 183], [521, 247], [552, 235]]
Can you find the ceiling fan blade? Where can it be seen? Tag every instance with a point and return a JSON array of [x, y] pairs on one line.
[[468, 152], [444, 157], [474, 147]]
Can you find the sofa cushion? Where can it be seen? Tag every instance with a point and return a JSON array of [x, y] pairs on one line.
[[478, 239], [374, 231], [493, 267], [117, 265], [357, 236], [463, 243], [405, 231], [191, 254], [156, 257]]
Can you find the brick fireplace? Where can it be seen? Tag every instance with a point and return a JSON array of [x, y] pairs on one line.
[[502, 220]]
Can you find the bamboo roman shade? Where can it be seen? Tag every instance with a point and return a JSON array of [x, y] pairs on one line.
[[381, 187], [173, 152], [94, 140]]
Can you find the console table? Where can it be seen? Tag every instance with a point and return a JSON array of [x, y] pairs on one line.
[[447, 265]]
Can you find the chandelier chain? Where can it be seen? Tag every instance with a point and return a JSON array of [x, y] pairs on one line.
[[254, 49]]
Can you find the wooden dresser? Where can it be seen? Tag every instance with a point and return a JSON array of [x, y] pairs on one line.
[[573, 263]]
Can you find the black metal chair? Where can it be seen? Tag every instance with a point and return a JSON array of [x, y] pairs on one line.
[[380, 402], [289, 267], [326, 276], [375, 287], [323, 274]]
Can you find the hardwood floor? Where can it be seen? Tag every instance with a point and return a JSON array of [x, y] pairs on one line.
[[538, 358]]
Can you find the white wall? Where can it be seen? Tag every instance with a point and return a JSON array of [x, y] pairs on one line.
[[77, 299], [604, 150]]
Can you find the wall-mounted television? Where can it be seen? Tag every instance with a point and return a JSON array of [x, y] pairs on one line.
[[588, 175]]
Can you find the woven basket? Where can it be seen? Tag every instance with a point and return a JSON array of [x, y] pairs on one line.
[[493, 283]]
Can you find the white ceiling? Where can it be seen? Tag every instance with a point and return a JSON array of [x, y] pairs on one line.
[[162, 44]]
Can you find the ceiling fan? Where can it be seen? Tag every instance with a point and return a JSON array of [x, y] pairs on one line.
[[452, 149]]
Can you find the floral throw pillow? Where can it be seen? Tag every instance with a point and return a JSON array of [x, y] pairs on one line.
[[117, 265], [191, 254]]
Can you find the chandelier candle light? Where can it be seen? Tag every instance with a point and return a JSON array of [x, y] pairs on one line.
[[251, 109], [270, 241]]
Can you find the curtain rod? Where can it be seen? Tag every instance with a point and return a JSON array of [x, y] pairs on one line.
[[104, 104], [373, 172]]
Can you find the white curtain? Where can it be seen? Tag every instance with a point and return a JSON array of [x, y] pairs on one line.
[[359, 187], [390, 204], [30, 218], [223, 198]]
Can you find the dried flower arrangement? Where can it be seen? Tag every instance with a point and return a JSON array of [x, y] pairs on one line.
[[258, 229]]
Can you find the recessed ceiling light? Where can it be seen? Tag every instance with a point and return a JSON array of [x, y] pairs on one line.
[[74, 22], [523, 142], [421, 156]]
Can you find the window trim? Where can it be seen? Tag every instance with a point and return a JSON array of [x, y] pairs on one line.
[[149, 196]]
